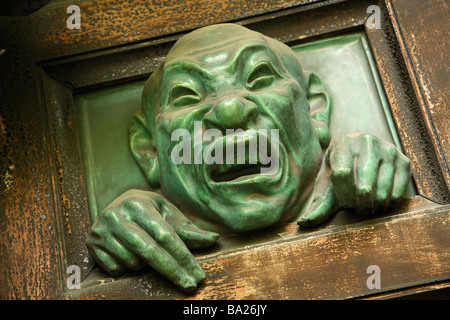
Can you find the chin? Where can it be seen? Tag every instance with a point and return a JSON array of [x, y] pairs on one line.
[[253, 201]]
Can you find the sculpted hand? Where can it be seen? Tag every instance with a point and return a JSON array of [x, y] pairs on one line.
[[360, 172], [143, 228]]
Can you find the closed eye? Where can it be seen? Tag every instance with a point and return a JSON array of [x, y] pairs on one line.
[[262, 76], [182, 95]]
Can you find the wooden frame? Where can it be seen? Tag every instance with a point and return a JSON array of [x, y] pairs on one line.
[[330, 262]]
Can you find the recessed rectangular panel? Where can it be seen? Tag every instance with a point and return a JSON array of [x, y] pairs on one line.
[[343, 62], [345, 66], [103, 119]]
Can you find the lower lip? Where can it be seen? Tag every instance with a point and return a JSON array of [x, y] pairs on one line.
[[248, 179], [256, 178], [266, 177], [244, 174]]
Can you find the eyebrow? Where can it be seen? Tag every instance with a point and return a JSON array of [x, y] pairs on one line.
[[191, 69], [259, 45], [188, 67]]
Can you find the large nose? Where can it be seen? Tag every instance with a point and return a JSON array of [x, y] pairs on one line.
[[231, 112]]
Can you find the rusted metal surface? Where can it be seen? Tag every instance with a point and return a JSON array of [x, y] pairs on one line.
[[116, 22], [311, 22]]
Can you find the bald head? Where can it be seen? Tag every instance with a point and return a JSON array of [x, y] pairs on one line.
[[215, 46], [213, 38], [226, 77]]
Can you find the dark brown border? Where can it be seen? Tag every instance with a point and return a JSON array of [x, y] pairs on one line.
[[56, 63]]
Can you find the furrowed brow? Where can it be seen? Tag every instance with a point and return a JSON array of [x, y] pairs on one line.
[[186, 67], [247, 51]]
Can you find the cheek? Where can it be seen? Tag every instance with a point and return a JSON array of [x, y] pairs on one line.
[[285, 103], [287, 106], [169, 123], [179, 119], [175, 141]]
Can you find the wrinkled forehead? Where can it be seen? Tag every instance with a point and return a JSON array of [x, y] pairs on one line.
[[206, 50], [221, 45], [224, 53]]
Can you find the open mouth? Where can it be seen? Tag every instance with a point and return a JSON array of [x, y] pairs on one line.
[[230, 172], [248, 163]]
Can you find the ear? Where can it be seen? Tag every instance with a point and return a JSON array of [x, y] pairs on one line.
[[143, 148], [320, 107]]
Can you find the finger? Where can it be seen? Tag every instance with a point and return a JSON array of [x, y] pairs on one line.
[[384, 185], [195, 238], [342, 176], [367, 174], [120, 252], [324, 202], [150, 219], [385, 181], [167, 238], [192, 236], [101, 255], [107, 241], [142, 244], [106, 261], [402, 178]]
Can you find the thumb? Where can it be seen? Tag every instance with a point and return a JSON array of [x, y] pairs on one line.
[[324, 203]]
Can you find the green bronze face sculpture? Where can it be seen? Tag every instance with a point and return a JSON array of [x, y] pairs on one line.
[[245, 81], [222, 88]]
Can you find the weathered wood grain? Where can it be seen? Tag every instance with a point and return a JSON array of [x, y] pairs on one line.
[[410, 249], [30, 241], [423, 28], [433, 291], [415, 128], [39, 233]]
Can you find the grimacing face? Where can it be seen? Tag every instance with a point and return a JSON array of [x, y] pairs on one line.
[[229, 77]]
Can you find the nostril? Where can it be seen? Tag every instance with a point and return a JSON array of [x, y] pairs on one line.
[[252, 111]]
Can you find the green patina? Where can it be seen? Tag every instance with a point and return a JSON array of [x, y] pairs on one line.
[[228, 77]]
